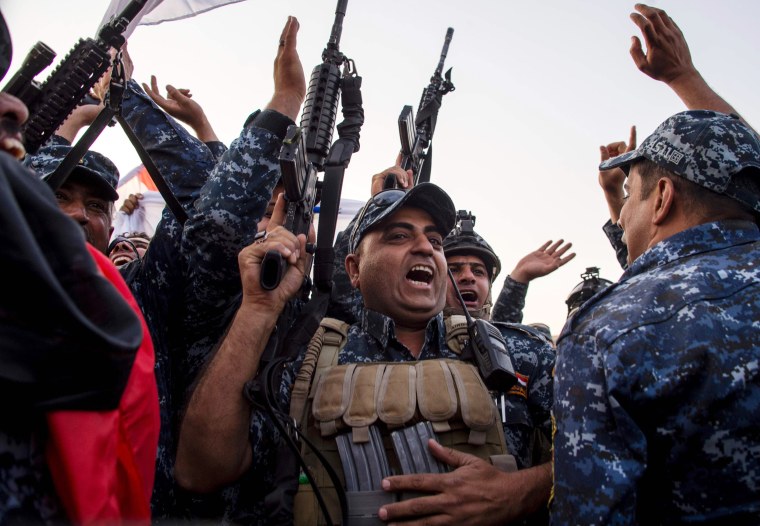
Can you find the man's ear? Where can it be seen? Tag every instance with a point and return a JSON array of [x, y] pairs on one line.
[[663, 203], [352, 269]]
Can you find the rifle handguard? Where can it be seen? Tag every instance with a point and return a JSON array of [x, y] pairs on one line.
[[320, 111]]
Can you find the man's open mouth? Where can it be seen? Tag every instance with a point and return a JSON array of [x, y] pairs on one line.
[[420, 275], [121, 259], [469, 296]]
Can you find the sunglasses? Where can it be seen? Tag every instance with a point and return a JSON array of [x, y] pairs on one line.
[[381, 200]]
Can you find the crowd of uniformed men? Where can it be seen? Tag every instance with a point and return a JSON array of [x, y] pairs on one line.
[[146, 395]]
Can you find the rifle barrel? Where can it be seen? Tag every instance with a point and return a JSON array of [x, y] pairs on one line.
[[337, 28], [446, 42]]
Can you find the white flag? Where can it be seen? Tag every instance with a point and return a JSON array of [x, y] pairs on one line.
[[157, 11]]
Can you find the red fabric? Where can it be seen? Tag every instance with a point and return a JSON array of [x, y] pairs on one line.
[[102, 462]]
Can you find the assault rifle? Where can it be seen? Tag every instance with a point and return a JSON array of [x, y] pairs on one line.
[[53, 100], [306, 151], [417, 134]]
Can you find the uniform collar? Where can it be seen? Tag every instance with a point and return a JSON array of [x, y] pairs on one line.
[[383, 329], [701, 238]]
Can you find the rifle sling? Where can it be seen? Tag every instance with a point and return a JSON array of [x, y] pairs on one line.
[[71, 160], [163, 187]]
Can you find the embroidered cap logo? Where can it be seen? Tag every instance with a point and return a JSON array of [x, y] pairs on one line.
[[668, 152]]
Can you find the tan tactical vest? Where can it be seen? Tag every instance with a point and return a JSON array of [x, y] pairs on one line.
[[329, 399]]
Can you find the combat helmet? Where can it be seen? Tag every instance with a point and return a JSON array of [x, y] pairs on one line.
[[463, 240], [590, 285]]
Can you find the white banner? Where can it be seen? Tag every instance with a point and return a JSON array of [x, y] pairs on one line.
[[157, 11]]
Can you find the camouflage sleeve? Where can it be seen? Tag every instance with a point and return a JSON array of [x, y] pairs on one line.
[[55, 140], [225, 215], [223, 222], [346, 302], [597, 444], [184, 161], [511, 302], [615, 235], [217, 148], [526, 406], [224, 219], [540, 399]]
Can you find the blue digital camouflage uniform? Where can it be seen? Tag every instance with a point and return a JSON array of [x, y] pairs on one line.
[[222, 222], [158, 279], [188, 280], [27, 493], [511, 302], [657, 388], [525, 408]]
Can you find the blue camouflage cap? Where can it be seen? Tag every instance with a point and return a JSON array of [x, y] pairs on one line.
[[94, 168], [426, 196], [706, 147]]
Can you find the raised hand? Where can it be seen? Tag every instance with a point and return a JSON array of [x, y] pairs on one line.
[[404, 178], [545, 260], [289, 80], [612, 181], [131, 203], [667, 57], [179, 104], [293, 250]]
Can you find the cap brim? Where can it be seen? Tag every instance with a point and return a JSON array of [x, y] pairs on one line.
[[430, 198], [621, 161], [94, 179]]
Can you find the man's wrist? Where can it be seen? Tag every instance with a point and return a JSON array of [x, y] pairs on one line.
[[519, 277]]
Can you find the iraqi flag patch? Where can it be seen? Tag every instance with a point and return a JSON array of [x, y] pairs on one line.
[[521, 386]]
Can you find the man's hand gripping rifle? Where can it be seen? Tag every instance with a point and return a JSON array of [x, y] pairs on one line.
[[417, 134]]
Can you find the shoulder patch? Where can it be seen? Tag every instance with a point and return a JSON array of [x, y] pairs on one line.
[[521, 386]]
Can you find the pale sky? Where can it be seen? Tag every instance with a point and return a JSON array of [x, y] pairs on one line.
[[539, 86]]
